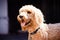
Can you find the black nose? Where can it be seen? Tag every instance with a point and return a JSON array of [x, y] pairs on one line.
[[21, 16]]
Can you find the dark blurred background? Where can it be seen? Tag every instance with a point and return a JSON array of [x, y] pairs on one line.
[[50, 9]]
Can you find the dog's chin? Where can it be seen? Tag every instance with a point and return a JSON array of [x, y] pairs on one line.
[[25, 23]]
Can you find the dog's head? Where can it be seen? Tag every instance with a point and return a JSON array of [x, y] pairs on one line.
[[29, 16]]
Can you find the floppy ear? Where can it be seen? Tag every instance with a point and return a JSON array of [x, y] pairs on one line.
[[39, 16]]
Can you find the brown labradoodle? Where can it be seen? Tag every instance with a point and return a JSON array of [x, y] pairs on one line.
[[32, 20]]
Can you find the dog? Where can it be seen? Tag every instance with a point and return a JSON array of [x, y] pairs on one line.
[[32, 20]]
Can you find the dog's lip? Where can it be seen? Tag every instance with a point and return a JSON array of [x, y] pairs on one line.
[[25, 23], [28, 22]]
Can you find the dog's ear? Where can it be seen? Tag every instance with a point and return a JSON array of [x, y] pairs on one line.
[[39, 16]]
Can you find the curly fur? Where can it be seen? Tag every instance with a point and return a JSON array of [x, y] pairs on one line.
[[31, 18]]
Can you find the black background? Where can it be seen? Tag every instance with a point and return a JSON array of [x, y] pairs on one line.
[[50, 9]]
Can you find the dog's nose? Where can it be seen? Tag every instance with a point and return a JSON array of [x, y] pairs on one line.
[[21, 16]]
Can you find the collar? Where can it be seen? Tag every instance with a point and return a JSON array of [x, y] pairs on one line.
[[35, 31]]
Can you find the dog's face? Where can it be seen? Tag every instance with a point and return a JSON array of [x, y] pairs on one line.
[[29, 17]]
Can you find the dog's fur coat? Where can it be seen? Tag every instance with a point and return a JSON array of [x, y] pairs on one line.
[[31, 18]]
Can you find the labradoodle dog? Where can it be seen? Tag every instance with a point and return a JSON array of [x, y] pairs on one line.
[[31, 19]]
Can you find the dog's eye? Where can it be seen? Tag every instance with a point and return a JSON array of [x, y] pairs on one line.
[[28, 12]]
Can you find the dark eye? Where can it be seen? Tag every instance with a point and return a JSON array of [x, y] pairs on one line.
[[28, 12]]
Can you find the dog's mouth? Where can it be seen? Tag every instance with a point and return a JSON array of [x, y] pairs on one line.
[[25, 23]]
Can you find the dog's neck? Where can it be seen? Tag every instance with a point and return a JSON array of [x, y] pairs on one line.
[[40, 32], [35, 31]]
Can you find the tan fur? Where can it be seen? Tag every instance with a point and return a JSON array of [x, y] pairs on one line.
[[35, 18]]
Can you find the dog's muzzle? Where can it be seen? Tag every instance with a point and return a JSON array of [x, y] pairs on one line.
[[24, 22]]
